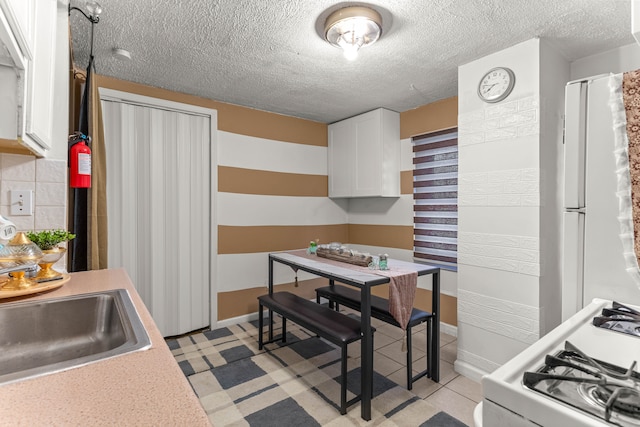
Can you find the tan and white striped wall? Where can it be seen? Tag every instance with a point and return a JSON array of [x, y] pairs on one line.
[[272, 196]]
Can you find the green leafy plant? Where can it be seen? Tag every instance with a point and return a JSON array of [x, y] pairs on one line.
[[49, 239]]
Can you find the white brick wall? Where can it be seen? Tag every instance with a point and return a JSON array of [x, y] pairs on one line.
[[518, 254], [509, 120], [514, 187]]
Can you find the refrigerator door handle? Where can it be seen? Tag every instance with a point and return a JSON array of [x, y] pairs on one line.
[[573, 263], [575, 144]]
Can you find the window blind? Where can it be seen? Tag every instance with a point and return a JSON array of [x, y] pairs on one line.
[[435, 197]]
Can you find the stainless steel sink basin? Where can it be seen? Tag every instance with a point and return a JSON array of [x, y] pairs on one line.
[[45, 336]]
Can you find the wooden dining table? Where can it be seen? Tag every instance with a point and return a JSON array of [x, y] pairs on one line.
[[365, 280]]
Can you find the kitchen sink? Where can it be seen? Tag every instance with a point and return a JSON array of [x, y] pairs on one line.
[[46, 336]]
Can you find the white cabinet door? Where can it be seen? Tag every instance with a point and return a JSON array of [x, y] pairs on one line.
[[341, 150], [364, 155], [19, 14], [367, 160], [40, 77]]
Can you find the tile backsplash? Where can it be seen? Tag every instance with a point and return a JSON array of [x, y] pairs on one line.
[[47, 179]]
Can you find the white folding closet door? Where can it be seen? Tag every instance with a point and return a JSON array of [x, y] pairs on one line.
[[158, 204]]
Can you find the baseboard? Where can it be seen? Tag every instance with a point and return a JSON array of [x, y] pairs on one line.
[[467, 370], [235, 320], [449, 329]]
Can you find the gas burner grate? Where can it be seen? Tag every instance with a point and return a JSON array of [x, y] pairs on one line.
[[619, 318], [601, 389]]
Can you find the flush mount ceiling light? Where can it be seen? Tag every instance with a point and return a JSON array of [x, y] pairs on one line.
[[351, 28]]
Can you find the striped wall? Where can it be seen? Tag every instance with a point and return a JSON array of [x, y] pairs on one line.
[[272, 196]]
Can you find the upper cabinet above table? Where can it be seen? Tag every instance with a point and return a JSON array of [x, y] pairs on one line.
[[364, 155]]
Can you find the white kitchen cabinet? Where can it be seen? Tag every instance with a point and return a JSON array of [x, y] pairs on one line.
[[40, 75], [28, 32], [364, 155], [20, 17]]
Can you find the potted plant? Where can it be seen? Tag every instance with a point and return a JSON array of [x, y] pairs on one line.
[[48, 241]]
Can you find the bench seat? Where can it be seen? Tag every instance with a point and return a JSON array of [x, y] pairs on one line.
[[350, 297], [331, 325]]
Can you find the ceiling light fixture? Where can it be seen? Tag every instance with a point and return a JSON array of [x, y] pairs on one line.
[[353, 27]]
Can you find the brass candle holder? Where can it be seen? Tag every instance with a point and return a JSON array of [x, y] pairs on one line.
[[51, 256]]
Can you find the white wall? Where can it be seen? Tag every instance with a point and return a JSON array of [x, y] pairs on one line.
[[501, 171]]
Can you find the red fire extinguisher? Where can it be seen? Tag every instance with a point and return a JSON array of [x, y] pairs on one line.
[[80, 163]]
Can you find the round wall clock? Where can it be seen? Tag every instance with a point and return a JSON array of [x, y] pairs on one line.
[[496, 84]]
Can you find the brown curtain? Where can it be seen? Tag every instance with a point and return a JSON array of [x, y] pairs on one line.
[[97, 194], [97, 257]]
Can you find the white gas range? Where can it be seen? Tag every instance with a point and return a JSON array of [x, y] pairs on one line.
[[580, 398]]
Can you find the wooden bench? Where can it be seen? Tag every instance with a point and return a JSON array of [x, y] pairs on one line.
[[335, 327], [380, 310]]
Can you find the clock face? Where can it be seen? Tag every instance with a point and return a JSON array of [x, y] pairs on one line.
[[496, 84]]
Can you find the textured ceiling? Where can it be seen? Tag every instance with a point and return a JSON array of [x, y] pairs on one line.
[[269, 55]]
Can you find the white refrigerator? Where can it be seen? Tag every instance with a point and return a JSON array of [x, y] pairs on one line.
[[594, 265]]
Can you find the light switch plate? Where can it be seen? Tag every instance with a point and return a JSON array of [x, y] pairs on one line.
[[21, 202]]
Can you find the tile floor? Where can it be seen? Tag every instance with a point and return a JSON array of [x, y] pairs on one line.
[[454, 393]]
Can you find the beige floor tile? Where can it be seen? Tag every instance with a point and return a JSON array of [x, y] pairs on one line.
[[399, 377], [419, 339], [382, 340], [390, 330], [466, 387], [446, 339], [447, 374], [454, 404], [394, 352], [422, 388], [384, 365], [449, 352], [419, 328], [377, 323]]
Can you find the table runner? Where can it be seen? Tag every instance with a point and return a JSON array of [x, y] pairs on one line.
[[402, 285]]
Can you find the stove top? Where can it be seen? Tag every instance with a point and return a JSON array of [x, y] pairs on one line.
[[581, 401], [606, 391]]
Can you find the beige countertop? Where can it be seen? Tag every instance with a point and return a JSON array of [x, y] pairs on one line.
[[142, 388]]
